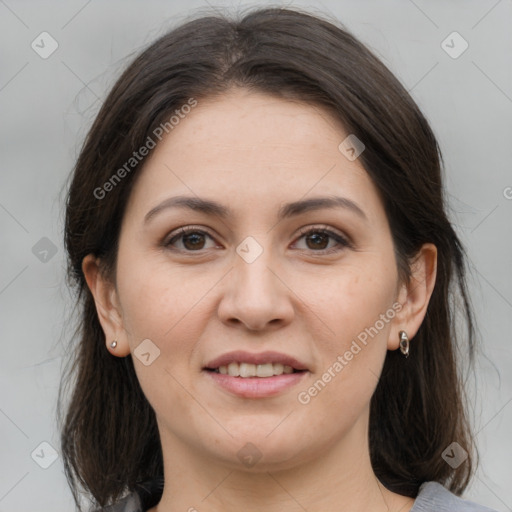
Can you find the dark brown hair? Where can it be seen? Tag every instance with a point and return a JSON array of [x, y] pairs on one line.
[[110, 440]]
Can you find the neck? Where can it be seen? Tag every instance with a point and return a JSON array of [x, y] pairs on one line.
[[340, 479]]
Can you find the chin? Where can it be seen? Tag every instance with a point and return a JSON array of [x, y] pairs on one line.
[[259, 450]]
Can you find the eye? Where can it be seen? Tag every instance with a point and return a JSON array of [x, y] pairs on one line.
[[192, 239], [317, 239]]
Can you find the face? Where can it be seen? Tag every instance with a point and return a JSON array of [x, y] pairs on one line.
[[314, 286]]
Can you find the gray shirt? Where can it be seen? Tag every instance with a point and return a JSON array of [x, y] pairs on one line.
[[432, 497]]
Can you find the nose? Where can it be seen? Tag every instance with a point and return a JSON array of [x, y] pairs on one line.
[[256, 296]]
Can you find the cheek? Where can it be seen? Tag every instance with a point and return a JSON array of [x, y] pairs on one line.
[[158, 299], [355, 309], [159, 303], [350, 299]]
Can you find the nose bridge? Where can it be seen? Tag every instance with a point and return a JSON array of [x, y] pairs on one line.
[[252, 268], [256, 295]]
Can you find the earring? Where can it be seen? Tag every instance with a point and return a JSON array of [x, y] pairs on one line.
[[404, 343], [114, 344]]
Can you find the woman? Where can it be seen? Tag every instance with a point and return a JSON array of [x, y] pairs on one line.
[[257, 231]]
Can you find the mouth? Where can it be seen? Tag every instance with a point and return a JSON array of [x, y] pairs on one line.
[[246, 370], [250, 375], [254, 386], [249, 364]]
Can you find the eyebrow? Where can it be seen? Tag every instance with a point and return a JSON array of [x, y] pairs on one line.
[[288, 210]]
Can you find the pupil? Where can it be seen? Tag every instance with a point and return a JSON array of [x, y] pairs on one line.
[[187, 238], [316, 236]]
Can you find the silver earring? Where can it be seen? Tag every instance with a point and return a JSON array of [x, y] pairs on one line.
[[114, 344], [404, 343]]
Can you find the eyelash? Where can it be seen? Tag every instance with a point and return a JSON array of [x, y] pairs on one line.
[[303, 232]]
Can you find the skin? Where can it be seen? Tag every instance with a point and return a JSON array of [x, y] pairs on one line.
[[252, 153]]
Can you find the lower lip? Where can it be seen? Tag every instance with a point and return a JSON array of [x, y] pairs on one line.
[[257, 387]]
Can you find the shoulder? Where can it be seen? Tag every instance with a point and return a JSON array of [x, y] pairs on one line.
[[432, 496], [130, 503], [145, 496]]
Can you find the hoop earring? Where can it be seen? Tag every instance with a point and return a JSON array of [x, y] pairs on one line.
[[404, 343], [114, 344]]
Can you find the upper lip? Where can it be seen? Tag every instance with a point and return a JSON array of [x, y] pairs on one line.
[[240, 356]]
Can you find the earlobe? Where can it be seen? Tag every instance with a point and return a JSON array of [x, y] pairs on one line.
[[415, 295], [105, 298]]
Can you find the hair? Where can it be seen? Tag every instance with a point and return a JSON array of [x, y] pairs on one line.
[[110, 440]]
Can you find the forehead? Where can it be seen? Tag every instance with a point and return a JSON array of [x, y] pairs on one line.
[[246, 121], [253, 151]]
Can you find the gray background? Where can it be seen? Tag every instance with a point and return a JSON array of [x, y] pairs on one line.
[[47, 106]]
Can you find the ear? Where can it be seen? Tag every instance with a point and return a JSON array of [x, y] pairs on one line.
[[414, 296], [107, 306]]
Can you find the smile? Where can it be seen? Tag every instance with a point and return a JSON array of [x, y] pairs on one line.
[[256, 387], [245, 370]]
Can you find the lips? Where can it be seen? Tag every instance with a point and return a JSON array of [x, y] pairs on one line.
[[262, 358]]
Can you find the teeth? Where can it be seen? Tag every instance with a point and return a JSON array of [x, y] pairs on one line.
[[254, 370], [233, 369], [265, 370]]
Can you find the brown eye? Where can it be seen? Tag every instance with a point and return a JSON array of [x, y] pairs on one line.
[[192, 239], [317, 240]]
